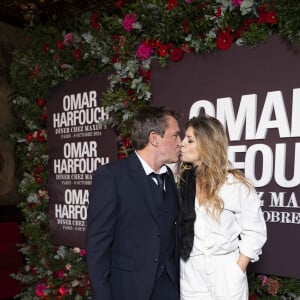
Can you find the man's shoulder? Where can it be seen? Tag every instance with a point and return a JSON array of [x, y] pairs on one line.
[[117, 165]]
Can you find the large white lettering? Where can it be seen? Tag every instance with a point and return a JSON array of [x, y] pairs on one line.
[[273, 115], [262, 163]]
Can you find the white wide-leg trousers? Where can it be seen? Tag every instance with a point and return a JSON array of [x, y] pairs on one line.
[[213, 277]]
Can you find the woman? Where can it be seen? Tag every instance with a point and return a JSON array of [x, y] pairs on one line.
[[222, 226]]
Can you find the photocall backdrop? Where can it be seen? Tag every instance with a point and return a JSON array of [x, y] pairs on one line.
[[76, 146], [255, 93]]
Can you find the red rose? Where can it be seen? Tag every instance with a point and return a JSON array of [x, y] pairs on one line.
[[45, 47], [127, 142], [115, 58], [119, 3], [94, 17], [144, 73], [40, 136], [172, 4], [153, 43], [59, 44], [218, 12], [95, 25], [32, 270], [40, 102], [44, 117], [38, 180], [121, 155], [77, 54], [29, 137], [147, 75], [80, 291], [176, 54], [37, 169], [224, 40]]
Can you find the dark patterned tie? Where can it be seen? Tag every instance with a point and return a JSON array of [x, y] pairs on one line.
[[160, 182]]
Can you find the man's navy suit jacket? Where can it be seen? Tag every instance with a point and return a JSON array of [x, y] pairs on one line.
[[123, 240]]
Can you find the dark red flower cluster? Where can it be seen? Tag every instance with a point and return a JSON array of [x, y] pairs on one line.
[[163, 50], [39, 135], [77, 54], [34, 72], [267, 15], [244, 28], [125, 144], [172, 4], [119, 3], [60, 44], [37, 174], [145, 73], [94, 21], [45, 48], [41, 104]]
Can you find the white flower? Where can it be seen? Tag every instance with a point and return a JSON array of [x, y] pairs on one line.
[[246, 6], [87, 37]]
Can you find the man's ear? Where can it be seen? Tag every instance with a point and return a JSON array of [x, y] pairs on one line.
[[154, 138]]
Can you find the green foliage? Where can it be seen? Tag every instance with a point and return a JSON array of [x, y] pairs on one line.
[[91, 44]]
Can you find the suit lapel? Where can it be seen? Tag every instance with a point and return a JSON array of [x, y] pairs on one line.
[[142, 183]]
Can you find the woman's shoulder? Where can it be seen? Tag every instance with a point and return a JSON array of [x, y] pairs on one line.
[[237, 183]]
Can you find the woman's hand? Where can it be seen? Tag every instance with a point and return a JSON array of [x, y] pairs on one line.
[[243, 262]]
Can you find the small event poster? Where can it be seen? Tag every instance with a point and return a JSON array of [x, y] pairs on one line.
[[78, 143]]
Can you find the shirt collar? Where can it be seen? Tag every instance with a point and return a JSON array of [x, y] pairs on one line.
[[147, 168]]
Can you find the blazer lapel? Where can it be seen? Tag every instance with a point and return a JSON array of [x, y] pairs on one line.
[[142, 183]]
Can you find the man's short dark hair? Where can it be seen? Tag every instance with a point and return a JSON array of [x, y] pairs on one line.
[[148, 119]]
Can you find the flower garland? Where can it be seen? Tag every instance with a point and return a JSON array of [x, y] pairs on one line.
[[125, 44]]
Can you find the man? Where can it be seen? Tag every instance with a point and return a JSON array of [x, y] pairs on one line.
[[132, 246]]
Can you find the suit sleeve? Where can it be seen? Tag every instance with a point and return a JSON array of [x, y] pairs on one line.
[[102, 214]]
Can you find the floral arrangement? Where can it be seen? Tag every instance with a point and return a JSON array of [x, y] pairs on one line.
[[125, 44]]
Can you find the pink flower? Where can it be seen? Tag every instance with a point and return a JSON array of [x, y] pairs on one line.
[[43, 194], [188, 1], [82, 252], [143, 51], [68, 39], [40, 289], [60, 274], [273, 286], [62, 290], [263, 279], [236, 2], [128, 22]]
